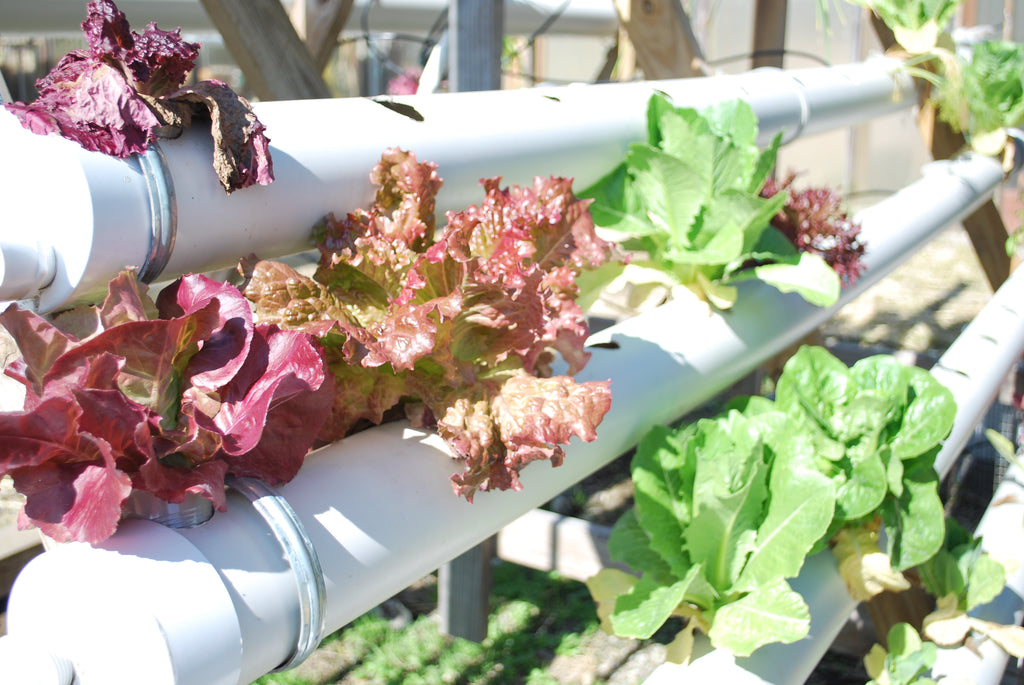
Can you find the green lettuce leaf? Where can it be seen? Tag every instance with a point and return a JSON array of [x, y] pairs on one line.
[[690, 199]]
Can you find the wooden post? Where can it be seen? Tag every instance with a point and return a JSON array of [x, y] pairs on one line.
[[476, 34], [660, 32], [769, 33], [318, 23], [266, 47], [464, 590]]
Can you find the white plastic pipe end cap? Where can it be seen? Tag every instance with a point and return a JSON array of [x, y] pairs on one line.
[[26, 662]]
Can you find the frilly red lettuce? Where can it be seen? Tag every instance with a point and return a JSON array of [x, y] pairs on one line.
[[814, 221], [167, 397], [116, 95], [456, 330]]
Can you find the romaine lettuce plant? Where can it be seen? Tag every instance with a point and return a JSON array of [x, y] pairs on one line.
[[726, 510], [877, 428], [122, 91], [961, 577], [688, 202], [456, 330], [908, 661], [919, 25], [166, 397]]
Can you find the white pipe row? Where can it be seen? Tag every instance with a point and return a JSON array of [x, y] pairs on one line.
[[323, 151], [219, 604], [522, 17]]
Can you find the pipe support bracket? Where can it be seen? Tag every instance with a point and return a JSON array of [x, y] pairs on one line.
[[286, 526]]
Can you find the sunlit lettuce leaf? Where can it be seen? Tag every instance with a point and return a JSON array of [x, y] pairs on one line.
[[689, 199], [168, 405], [864, 567], [456, 328]]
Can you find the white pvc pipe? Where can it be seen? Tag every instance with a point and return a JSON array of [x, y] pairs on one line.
[[323, 151], [378, 507], [1002, 527], [522, 17]]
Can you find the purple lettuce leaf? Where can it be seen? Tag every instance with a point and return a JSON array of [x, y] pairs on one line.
[[225, 349], [814, 220], [54, 461], [121, 409], [40, 343], [241, 149], [127, 300], [117, 95]]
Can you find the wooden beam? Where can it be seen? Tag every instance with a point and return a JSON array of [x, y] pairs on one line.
[[769, 33], [546, 541], [660, 32], [266, 47], [318, 23], [476, 34], [985, 226]]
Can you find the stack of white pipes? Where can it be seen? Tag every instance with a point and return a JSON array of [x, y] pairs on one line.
[[220, 603]]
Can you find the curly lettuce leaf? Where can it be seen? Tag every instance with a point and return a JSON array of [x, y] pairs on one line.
[[814, 221], [456, 328]]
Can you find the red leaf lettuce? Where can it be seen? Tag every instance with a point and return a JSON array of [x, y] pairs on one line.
[[814, 221], [167, 397], [118, 94], [458, 330]]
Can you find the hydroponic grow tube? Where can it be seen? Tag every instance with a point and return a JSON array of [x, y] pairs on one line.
[[218, 603], [1002, 527], [522, 17], [167, 211]]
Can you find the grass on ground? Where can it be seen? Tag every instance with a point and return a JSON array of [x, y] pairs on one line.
[[535, 618]]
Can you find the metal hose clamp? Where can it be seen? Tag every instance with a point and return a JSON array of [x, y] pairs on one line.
[[301, 556], [163, 212]]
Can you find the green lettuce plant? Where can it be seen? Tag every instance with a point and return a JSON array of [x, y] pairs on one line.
[[726, 510], [687, 202], [907, 661], [877, 428], [961, 577]]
